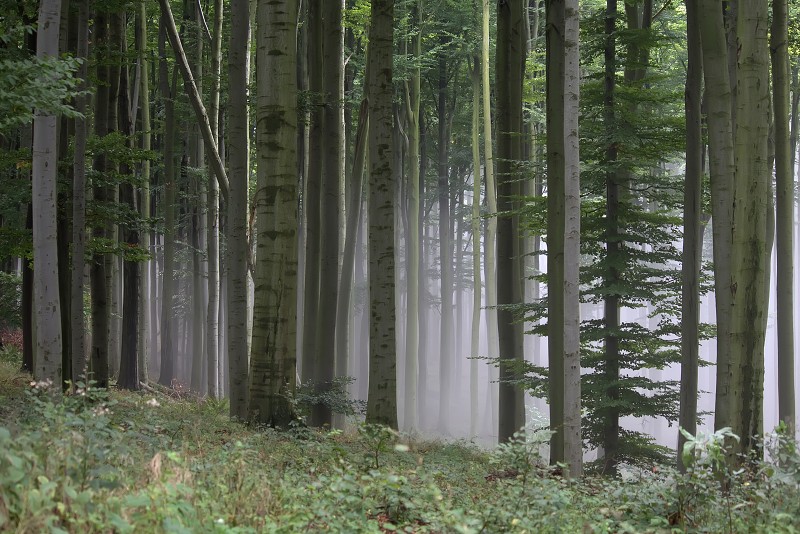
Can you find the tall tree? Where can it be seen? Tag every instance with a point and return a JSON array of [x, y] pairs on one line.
[[79, 203], [446, 337], [129, 357], [145, 297], [412, 107], [312, 358], [47, 309], [490, 243], [563, 234], [751, 245], [332, 167], [382, 398], [721, 167], [692, 232], [476, 248], [510, 66], [238, 148], [168, 335], [274, 349], [99, 290], [213, 313], [784, 188]]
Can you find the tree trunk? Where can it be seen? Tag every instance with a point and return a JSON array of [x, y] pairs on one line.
[[491, 229], [168, 345], [784, 183], [510, 68], [99, 291], [129, 356], [345, 293], [45, 276], [192, 92], [382, 399], [563, 233], [145, 345], [445, 248], [78, 326], [476, 249], [274, 348], [692, 233], [213, 312], [412, 93], [721, 167], [750, 257], [238, 148], [311, 357]]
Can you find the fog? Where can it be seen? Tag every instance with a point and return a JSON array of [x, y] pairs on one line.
[[451, 421]]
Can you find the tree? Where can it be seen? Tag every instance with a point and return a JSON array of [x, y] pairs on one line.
[[563, 234], [79, 366], [692, 233], [238, 147], [784, 186], [750, 245], [382, 399], [145, 298], [47, 305], [213, 314], [510, 70], [101, 234], [274, 352], [490, 243], [412, 107]]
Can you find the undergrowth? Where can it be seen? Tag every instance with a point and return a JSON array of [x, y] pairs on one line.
[[135, 462]]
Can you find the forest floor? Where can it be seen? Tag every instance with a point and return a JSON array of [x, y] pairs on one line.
[[154, 462]]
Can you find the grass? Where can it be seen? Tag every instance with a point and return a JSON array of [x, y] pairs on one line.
[[147, 462]]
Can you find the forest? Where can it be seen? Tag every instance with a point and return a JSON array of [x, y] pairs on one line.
[[399, 265]]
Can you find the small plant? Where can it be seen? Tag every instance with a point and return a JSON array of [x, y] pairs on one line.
[[378, 439], [705, 457], [335, 397]]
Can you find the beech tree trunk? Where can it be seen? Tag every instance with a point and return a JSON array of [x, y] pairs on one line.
[[273, 365], [692, 233], [47, 365], [382, 398], [79, 364], [238, 150], [784, 184], [510, 65]]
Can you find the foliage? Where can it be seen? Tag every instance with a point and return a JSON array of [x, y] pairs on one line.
[[10, 301], [28, 82], [132, 462], [335, 397]]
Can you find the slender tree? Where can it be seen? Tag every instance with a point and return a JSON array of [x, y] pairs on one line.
[[168, 335], [212, 224], [47, 364], [238, 148], [273, 357], [476, 248], [79, 364], [784, 188], [99, 290], [510, 65], [412, 107], [382, 398], [312, 357], [490, 244], [692, 232], [563, 234], [751, 245], [446, 337], [144, 205]]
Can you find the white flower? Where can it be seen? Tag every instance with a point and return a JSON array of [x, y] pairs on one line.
[[153, 402]]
